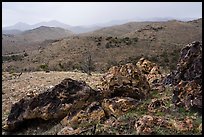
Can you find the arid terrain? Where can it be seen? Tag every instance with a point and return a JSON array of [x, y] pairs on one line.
[[136, 78], [116, 45], [15, 88]]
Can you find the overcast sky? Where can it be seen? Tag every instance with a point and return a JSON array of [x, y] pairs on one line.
[[88, 13]]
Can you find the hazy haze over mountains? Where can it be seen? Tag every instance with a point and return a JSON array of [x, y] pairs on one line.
[[20, 26], [83, 17], [53, 23]]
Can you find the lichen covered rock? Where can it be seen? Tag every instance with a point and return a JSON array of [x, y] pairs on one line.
[[151, 71], [188, 94], [90, 116], [125, 81], [118, 105]]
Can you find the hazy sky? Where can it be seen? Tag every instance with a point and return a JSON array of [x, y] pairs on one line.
[[88, 13]]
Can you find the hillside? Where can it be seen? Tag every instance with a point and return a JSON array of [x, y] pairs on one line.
[[158, 41], [45, 33], [117, 30], [12, 32], [29, 40]]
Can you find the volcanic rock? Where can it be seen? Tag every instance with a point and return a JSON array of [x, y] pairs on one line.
[[189, 66], [187, 79], [68, 97], [188, 94]]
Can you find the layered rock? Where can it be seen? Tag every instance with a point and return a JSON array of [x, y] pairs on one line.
[[68, 97], [125, 81]]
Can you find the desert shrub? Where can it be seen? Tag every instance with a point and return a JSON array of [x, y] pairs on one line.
[[61, 66], [108, 45], [108, 38], [126, 38], [135, 39], [44, 67], [87, 65], [99, 43], [11, 71], [25, 54], [76, 66], [16, 57], [12, 58]]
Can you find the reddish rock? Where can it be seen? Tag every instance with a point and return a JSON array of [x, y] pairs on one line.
[[125, 81], [118, 105], [90, 116]]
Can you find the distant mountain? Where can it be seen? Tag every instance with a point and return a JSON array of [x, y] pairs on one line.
[[89, 28], [23, 26], [19, 26], [30, 39], [45, 33], [52, 23], [75, 29]]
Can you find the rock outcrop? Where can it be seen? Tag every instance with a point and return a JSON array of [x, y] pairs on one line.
[[68, 97], [151, 71], [125, 81], [187, 78], [189, 66]]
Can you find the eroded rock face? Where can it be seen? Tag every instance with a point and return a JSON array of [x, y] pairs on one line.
[[125, 81], [65, 98], [189, 66], [187, 79], [151, 71]]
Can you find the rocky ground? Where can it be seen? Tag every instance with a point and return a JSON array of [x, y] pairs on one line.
[[133, 99], [15, 88]]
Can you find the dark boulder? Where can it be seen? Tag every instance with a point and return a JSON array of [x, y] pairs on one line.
[[66, 98], [187, 78]]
